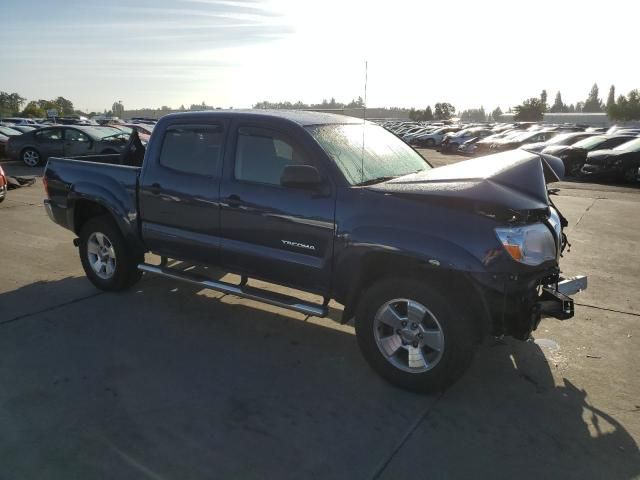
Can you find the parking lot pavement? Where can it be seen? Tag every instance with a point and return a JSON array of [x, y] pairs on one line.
[[166, 381]]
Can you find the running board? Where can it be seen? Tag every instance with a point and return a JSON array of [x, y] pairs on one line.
[[252, 293]]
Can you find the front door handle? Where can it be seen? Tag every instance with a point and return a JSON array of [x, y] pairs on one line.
[[233, 201], [155, 188]]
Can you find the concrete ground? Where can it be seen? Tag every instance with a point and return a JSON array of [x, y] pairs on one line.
[[168, 382]]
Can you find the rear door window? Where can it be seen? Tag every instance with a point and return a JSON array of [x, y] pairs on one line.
[[194, 149], [49, 134]]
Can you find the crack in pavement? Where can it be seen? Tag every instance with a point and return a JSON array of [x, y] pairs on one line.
[[405, 438], [49, 309], [585, 212], [608, 309]]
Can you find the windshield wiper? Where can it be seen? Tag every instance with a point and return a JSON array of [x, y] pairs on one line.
[[375, 180]]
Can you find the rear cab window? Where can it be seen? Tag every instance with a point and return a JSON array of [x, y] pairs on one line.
[[193, 149]]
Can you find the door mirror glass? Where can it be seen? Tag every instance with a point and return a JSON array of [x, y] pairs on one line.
[[300, 176]]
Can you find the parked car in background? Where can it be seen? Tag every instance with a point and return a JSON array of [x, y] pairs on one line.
[[36, 147], [432, 139], [519, 140], [574, 156], [560, 139], [20, 121], [144, 130], [23, 128], [3, 185], [453, 140], [621, 162]]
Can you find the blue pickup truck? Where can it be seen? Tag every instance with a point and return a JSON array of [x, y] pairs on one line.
[[428, 261]]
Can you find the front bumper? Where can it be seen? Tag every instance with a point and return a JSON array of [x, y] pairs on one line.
[[516, 303], [554, 301], [589, 169]]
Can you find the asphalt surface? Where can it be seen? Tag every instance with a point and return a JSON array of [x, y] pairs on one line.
[[169, 382]]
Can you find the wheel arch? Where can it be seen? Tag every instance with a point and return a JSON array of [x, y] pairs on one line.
[[454, 284]]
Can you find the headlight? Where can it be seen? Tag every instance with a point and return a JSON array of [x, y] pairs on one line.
[[530, 244]]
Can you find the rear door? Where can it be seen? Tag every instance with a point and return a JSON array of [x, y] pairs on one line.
[[49, 142], [280, 234], [179, 192]]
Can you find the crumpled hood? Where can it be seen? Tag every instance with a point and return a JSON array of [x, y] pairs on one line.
[[514, 180], [533, 147], [555, 149], [600, 157]]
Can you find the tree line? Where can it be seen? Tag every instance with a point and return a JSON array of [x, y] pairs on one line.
[[623, 108], [620, 108], [11, 105]]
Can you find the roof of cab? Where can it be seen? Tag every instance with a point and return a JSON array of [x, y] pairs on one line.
[[301, 117]]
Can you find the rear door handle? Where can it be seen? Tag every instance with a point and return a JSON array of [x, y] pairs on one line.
[[155, 188]]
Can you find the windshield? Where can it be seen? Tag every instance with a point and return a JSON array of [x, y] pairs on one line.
[[561, 139], [384, 155], [631, 146], [589, 143]]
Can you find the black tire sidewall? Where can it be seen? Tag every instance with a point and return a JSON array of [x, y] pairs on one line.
[[126, 263], [31, 149], [458, 334]]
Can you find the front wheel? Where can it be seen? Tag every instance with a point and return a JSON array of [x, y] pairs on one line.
[[31, 157], [106, 260], [412, 336], [430, 143], [630, 174]]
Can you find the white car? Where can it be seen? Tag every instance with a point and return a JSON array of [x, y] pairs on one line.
[[433, 138]]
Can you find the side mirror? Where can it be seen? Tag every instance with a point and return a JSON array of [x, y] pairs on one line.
[[300, 176]]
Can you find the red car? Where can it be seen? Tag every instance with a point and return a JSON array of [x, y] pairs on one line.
[[3, 185]]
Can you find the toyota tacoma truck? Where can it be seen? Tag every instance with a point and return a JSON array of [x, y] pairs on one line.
[[426, 261]]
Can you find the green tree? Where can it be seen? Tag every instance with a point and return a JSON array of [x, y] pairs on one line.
[[531, 110], [444, 111], [33, 110], [611, 99], [495, 115], [543, 99], [10, 103], [558, 105], [593, 104], [428, 114], [64, 106]]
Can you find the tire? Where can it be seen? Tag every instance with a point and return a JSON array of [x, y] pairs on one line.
[[446, 346], [573, 169], [630, 174], [430, 142], [117, 268], [31, 157]]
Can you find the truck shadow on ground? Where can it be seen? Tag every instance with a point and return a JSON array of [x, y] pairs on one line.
[[165, 381]]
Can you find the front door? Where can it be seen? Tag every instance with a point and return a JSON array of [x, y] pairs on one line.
[[76, 143], [282, 235], [179, 192]]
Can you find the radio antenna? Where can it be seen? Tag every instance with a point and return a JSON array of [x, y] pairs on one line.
[[364, 118]]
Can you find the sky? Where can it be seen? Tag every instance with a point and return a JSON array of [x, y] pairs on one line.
[[234, 53]]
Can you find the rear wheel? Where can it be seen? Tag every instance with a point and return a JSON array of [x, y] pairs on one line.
[[412, 336], [31, 157], [106, 260]]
